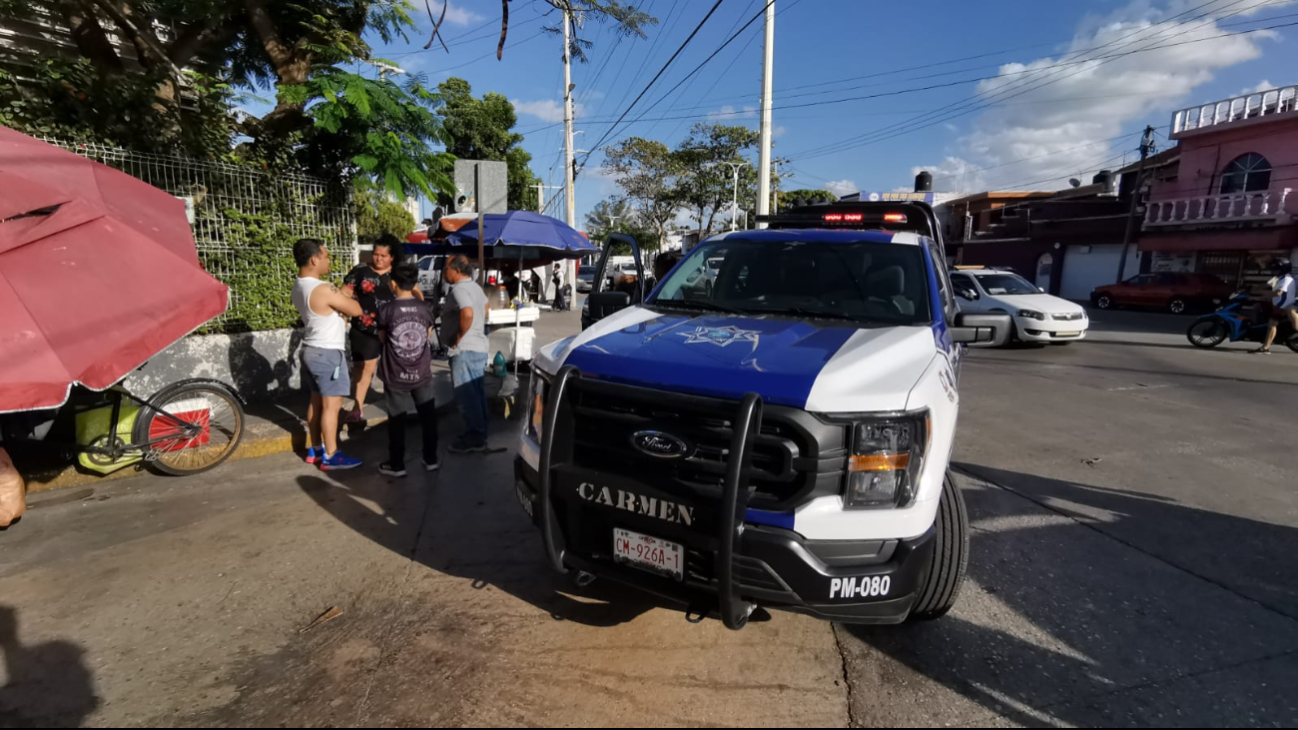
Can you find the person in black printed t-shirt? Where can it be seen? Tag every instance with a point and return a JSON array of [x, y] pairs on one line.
[[405, 367], [370, 285]]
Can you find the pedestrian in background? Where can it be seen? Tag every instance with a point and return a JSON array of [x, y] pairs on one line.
[[371, 286], [464, 317], [324, 352], [560, 302], [405, 368]]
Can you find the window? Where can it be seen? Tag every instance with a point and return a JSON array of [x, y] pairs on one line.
[[1246, 174]]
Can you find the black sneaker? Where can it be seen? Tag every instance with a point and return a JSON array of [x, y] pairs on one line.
[[392, 470], [460, 447], [434, 466]]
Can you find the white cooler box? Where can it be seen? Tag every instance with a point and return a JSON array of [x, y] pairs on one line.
[[502, 340]]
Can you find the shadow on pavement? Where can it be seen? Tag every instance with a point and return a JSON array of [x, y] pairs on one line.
[[48, 685], [463, 521], [1142, 371], [1062, 624]]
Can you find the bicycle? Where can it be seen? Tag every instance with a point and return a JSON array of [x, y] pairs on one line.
[[187, 427]]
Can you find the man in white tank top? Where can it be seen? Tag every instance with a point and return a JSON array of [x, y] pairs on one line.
[[324, 356]]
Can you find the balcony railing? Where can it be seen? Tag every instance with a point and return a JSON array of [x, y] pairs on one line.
[[1251, 106], [1233, 208]]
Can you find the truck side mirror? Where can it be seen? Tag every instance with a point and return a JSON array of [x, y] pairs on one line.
[[982, 330], [966, 293]]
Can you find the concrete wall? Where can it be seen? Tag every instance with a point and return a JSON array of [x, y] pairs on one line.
[[261, 365]]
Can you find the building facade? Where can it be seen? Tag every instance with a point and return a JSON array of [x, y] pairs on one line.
[[1230, 204]]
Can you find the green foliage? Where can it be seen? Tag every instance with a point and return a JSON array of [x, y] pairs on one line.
[[69, 100], [376, 215], [372, 129], [706, 181], [258, 265], [646, 170], [812, 197], [626, 20], [482, 129], [616, 215]]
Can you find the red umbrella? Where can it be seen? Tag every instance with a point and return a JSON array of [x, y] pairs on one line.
[[98, 273]]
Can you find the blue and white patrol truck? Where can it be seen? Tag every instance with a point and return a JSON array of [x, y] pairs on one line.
[[776, 434]]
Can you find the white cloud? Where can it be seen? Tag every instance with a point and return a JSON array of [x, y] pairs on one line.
[[729, 114], [456, 15], [841, 187], [1265, 85], [547, 110], [1059, 122]]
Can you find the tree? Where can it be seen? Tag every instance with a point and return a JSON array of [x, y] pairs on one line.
[[706, 183], [377, 214], [482, 129], [617, 215], [811, 197], [646, 170], [336, 122], [627, 21]]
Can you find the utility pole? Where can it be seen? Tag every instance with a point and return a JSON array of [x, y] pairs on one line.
[[540, 195], [569, 169], [734, 209], [1146, 144], [764, 151]]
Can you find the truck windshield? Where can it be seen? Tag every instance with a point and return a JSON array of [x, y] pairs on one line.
[[882, 283]]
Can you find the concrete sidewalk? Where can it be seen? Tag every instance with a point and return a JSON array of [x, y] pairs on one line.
[[274, 427]]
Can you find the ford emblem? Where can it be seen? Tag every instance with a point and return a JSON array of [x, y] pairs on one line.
[[659, 445]]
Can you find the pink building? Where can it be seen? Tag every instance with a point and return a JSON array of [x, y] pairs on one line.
[[1229, 204]]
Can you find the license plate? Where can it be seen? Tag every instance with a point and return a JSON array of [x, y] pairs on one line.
[[1067, 334], [648, 553]]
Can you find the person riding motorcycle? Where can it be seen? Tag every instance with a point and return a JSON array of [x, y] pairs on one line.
[[1284, 291]]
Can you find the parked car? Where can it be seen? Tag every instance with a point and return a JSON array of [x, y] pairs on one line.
[[430, 274], [1175, 292], [585, 279], [1038, 317]]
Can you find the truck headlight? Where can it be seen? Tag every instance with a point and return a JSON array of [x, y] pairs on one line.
[[1032, 314], [536, 419], [884, 466]]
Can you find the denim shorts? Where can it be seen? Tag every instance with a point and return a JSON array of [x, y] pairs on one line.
[[325, 371]]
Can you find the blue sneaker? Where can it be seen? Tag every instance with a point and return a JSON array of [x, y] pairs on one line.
[[338, 462], [314, 454]]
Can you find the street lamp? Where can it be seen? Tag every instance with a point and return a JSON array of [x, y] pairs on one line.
[[735, 204]]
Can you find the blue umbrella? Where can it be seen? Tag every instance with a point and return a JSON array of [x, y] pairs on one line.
[[521, 230]]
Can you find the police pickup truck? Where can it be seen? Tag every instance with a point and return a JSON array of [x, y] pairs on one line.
[[773, 433]]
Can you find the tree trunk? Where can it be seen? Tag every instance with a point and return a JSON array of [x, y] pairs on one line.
[[92, 42]]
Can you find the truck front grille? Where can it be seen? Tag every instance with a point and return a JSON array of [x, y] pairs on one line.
[[795, 455]]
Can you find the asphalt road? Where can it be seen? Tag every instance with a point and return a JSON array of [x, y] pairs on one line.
[[1135, 525]]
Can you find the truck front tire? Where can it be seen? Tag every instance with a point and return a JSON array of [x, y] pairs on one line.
[[950, 557]]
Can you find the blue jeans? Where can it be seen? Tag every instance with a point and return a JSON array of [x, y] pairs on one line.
[[467, 371]]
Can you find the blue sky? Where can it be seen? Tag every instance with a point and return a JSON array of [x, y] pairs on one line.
[[1059, 109]]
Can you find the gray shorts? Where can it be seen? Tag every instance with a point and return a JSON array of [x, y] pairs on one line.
[[408, 401], [325, 372]]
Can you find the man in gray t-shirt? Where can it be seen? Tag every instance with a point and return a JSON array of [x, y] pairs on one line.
[[464, 319]]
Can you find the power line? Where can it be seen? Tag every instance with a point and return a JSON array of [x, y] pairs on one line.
[[657, 76], [972, 104]]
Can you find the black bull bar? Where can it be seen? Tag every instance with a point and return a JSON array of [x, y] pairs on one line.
[[736, 491]]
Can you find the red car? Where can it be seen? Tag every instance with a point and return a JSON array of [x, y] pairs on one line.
[[1177, 293]]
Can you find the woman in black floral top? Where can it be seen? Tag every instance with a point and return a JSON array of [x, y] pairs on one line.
[[369, 286]]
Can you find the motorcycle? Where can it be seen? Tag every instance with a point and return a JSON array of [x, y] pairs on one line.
[[1232, 322]]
